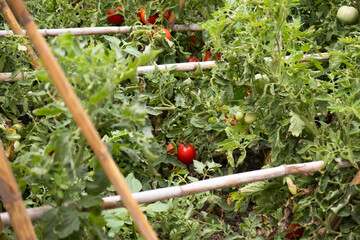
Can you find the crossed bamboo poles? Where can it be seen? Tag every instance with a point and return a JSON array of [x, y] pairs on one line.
[[9, 190]]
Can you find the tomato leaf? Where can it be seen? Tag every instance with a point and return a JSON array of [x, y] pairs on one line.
[[133, 184], [296, 124], [69, 221]]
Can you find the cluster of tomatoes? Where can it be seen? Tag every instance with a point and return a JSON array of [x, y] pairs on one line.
[[185, 153], [115, 17]]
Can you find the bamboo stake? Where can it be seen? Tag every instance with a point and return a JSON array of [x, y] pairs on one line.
[[335, 221], [81, 118], [200, 186], [182, 67], [100, 30], [16, 28], [172, 18], [13, 203]]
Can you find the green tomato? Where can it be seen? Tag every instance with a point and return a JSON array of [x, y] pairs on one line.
[[347, 15], [250, 118], [239, 115]]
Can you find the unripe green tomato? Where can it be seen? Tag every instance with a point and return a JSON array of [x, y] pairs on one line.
[[250, 118], [347, 15], [239, 115]]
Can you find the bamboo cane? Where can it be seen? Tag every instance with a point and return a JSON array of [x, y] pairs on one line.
[[335, 221], [180, 67], [100, 30], [13, 203], [172, 18], [197, 187], [16, 28], [81, 118]]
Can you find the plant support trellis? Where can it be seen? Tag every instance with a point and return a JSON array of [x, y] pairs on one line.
[[200, 186]]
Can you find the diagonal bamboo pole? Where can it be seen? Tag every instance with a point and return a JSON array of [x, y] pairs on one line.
[[16, 29], [81, 118], [13, 203], [197, 187], [172, 18]]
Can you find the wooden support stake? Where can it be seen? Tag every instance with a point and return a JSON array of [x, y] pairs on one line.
[[16, 29], [13, 203], [172, 18], [81, 118]]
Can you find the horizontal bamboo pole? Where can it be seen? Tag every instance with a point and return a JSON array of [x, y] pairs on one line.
[[200, 186], [100, 30], [180, 67]]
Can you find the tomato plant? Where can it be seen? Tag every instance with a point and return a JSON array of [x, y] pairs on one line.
[[186, 153], [116, 19]]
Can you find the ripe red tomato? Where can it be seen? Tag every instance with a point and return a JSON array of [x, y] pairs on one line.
[[192, 59], [170, 149], [150, 20], [167, 14], [115, 19], [186, 154], [295, 231], [193, 39], [167, 33], [208, 55]]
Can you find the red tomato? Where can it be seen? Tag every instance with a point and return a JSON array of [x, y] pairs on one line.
[[167, 33], [208, 55], [141, 15], [167, 14], [186, 154], [192, 59], [115, 19], [295, 231], [150, 20], [170, 149], [193, 39], [153, 18]]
